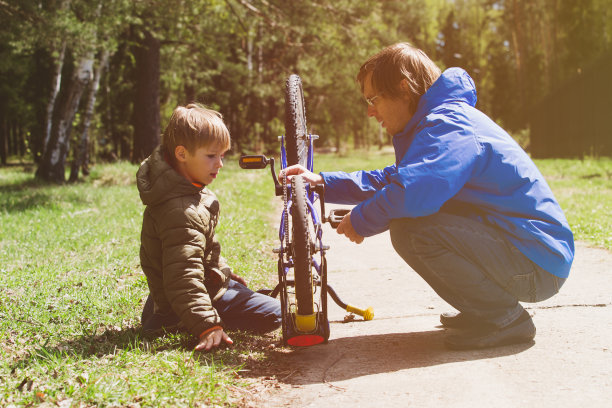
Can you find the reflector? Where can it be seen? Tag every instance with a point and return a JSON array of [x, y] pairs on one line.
[[305, 340]]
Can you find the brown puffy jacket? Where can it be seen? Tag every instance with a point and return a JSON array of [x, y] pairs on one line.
[[179, 253]]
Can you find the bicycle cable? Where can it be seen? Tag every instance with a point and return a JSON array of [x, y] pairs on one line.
[[286, 215]]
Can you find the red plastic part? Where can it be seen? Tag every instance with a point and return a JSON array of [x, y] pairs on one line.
[[305, 340]]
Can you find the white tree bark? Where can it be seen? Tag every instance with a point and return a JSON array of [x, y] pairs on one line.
[[80, 156], [57, 82], [52, 166]]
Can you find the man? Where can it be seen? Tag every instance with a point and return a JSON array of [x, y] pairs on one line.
[[466, 207]]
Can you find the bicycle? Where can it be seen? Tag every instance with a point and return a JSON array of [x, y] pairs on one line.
[[303, 297]]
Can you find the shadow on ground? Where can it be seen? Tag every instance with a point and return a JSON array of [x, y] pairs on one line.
[[356, 356]]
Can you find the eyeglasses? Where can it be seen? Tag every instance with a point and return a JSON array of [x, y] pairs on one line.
[[370, 101]]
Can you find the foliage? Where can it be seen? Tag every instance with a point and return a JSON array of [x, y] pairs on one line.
[[234, 55]]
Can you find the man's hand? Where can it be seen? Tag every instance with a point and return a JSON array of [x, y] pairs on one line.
[[345, 227], [213, 339], [313, 178], [238, 279]]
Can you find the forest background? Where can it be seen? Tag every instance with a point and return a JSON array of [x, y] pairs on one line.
[[86, 81]]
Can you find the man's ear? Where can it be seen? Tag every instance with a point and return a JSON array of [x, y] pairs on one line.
[[179, 153], [405, 87], [408, 95]]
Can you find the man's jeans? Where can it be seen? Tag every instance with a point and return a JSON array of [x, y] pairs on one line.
[[239, 308], [472, 266]]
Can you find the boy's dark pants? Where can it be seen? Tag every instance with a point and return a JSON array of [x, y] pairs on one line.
[[240, 309], [472, 266]]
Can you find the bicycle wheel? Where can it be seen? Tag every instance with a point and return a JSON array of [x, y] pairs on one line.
[[302, 256], [296, 136]]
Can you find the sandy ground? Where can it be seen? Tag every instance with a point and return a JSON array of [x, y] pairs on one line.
[[399, 360]]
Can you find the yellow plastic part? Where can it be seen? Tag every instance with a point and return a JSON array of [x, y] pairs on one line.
[[367, 314], [306, 323]]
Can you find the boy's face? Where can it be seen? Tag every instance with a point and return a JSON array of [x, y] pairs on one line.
[[202, 166]]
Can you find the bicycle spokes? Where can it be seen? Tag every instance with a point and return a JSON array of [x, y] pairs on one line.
[[302, 267]]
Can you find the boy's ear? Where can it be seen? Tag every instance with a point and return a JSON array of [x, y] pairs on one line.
[[179, 153]]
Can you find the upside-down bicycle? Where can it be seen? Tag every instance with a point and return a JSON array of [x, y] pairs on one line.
[[302, 275]]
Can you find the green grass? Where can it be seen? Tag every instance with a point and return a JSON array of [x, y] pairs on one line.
[[584, 191], [71, 292], [71, 288]]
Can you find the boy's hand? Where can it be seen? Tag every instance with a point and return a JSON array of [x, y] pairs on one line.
[[313, 178], [238, 279], [346, 227], [213, 339]]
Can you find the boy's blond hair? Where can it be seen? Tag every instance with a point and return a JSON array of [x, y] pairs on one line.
[[194, 126], [398, 62]]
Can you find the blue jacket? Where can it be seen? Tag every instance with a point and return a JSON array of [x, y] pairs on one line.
[[452, 157]]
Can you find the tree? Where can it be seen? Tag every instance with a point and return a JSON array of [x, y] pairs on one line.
[[146, 101], [81, 152], [52, 166]]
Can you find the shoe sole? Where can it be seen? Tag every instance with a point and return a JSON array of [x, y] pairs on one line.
[[488, 341]]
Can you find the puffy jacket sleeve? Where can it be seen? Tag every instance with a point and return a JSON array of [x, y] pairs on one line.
[[216, 264], [436, 165], [184, 242]]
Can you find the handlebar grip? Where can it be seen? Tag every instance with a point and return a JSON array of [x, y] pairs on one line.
[[368, 314]]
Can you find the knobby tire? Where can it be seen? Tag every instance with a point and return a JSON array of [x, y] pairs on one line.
[[296, 136], [302, 256]]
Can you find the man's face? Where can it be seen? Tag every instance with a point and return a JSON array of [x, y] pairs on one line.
[[204, 165], [393, 114]]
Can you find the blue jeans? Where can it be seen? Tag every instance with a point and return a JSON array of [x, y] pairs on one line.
[[239, 308], [472, 266], [242, 309]]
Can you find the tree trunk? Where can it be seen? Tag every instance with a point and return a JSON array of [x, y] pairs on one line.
[[57, 81], [3, 139], [520, 52], [81, 156], [146, 119], [53, 162]]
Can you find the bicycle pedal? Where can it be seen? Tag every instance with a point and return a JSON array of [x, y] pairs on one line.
[[316, 247], [276, 250]]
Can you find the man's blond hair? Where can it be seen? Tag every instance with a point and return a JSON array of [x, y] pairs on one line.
[[195, 126], [398, 62]]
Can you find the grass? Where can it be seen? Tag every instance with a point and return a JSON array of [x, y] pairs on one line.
[[584, 191], [71, 288], [71, 292]]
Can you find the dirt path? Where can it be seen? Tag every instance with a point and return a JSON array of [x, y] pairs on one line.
[[398, 359]]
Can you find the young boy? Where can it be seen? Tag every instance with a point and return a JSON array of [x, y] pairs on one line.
[[191, 286]]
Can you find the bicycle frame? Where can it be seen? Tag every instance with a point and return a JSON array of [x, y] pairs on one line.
[[304, 314], [301, 330]]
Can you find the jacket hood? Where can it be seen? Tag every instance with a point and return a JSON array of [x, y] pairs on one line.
[[157, 181], [454, 85]]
